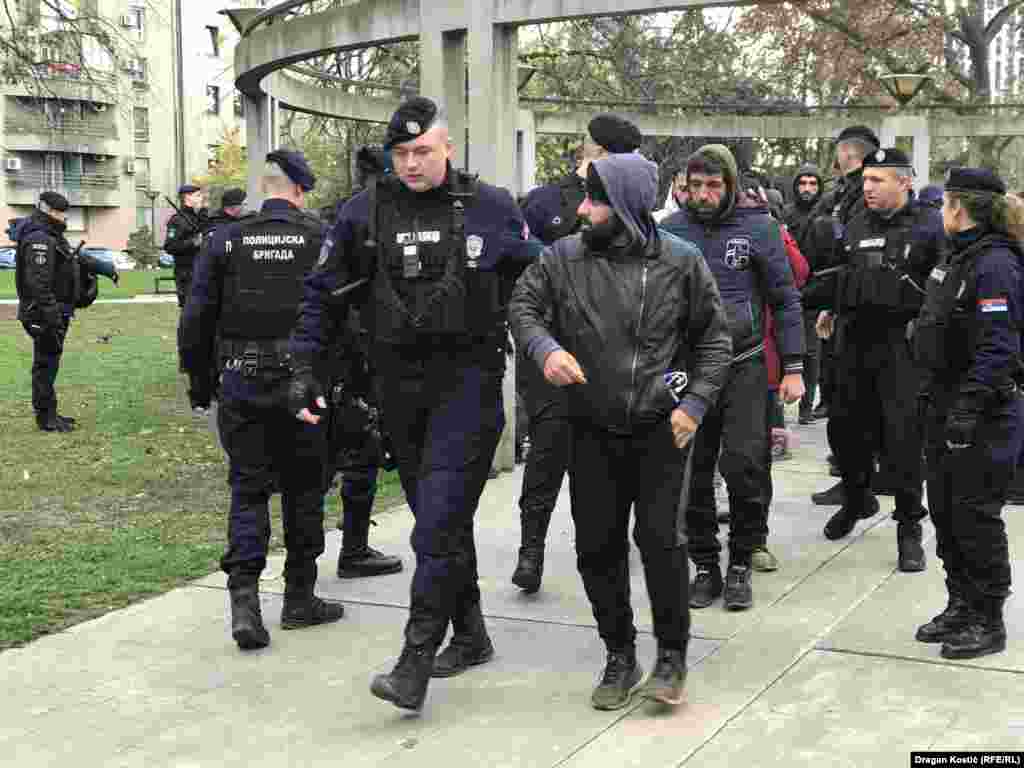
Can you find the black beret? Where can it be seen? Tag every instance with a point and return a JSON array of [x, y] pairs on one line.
[[930, 194], [887, 158], [294, 166], [410, 121], [974, 180], [861, 132], [54, 201], [187, 189], [596, 190], [232, 197], [614, 133]]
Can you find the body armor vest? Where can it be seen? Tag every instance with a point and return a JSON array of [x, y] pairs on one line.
[[265, 263], [880, 275], [428, 280], [945, 332]]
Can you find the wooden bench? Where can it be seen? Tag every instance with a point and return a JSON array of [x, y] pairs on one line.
[[161, 279]]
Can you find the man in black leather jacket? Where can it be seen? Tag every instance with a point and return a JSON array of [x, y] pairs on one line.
[[630, 320]]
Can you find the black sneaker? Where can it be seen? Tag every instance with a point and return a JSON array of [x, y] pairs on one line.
[[706, 587], [833, 497], [367, 561], [529, 570], [308, 611], [739, 594], [668, 678], [621, 676]]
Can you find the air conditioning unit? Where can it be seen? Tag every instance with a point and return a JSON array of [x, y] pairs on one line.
[[13, 163], [127, 20], [101, 107]]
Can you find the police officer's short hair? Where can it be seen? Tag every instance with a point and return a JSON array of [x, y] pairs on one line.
[[274, 179], [860, 147]]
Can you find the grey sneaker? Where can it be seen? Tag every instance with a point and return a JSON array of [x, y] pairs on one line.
[[621, 675], [763, 560]]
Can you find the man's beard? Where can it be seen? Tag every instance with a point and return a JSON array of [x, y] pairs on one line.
[[807, 197], [703, 211], [599, 237]]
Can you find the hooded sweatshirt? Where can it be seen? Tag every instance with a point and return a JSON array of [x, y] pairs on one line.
[[743, 247], [798, 213], [631, 182]]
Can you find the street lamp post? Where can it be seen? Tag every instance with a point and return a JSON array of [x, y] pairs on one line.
[[904, 86], [152, 195]]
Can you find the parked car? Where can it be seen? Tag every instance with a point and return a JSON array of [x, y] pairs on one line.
[[166, 260], [120, 259], [7, 258]]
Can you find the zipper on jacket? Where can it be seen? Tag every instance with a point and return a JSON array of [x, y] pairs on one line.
[[636, 352]]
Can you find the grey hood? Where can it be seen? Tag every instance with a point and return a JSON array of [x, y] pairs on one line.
[[631, 181]]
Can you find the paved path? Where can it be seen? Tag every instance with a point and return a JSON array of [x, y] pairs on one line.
[[145, 298], [822, 671]]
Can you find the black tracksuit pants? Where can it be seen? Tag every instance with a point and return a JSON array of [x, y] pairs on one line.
[[608, 475], [736, 428]]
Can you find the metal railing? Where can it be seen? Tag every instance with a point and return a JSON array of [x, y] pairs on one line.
[[39, 124], [61, 180]]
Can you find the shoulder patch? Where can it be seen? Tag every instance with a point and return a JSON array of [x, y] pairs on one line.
[[993, 305]]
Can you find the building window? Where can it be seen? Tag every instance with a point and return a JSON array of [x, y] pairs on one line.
[[141, 124], [239, 105], [135, 20], [214, 39], [213, 99], [141, 166], [136, 68]]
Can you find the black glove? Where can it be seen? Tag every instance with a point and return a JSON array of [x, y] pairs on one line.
[[304, 391], [962, 423]]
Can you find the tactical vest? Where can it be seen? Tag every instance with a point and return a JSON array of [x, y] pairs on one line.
[[427, 281], [265, 263], [879, 275], [945, 332]]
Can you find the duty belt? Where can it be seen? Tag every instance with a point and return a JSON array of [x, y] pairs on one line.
[[248, 357]]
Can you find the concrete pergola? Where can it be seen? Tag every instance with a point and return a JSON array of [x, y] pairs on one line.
[[501, 137]]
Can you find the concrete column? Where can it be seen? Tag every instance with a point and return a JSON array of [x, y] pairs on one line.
[[493, 97], [526, 153], [443, 78], [916, 126], [260, 137]]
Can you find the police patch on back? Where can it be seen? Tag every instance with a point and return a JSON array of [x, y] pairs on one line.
[[273, 246]]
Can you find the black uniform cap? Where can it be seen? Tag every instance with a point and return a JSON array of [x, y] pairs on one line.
[[294, 166], [974, 180], [614, 133], [887, 158], [232, 197], [54, 201], [861, 132], [410, 121], [187, 189]]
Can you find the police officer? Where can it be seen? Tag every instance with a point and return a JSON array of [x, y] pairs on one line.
[[50, 284], [232, 208], [247, 289], [889, 249], [968, 340], [440, 251], [550, 212], [184, 239]]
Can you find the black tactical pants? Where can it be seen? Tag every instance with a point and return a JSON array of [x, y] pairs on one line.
[[548, 460], [270, 450], [47, 349], [358, 490], [445, 417], [737, 429], [966, 492], [200, 383], [608, 475], [874, 411]]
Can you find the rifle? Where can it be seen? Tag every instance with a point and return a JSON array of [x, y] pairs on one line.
[[195, 223]]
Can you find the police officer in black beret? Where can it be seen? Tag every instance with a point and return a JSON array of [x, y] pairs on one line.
[[967, 338], [431, 254], [184, 239], [550, 212], [889, 250], [50, 285], [246, 289]]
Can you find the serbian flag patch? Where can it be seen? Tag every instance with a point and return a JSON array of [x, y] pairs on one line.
[[992, 305]]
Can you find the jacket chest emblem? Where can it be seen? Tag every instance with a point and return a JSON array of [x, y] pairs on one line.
[[737, 253]]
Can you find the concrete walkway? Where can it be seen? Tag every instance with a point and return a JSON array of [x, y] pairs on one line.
[[822, 671], [144, 298]]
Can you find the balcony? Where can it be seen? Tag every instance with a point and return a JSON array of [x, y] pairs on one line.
[[28, 132], [81, 189]]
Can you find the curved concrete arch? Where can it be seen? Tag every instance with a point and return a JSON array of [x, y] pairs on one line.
[[327, 102]]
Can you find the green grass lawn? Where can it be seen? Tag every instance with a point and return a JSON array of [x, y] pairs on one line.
[[131, 283], [130, 504]]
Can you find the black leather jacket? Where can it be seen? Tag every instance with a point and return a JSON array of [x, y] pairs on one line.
[[628, 316]]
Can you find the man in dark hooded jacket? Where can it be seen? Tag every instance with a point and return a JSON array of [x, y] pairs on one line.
[[629, 320], [807, 189], [744, 249]]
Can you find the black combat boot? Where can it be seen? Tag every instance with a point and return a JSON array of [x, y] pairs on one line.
[[48, 421], [706, 586], [529, 569], [739, 595], [304, 609], [406, 685], [952, 620], [668, 678], [621, 675], [843, 522], [985, 632], [908, 541], [246, 618], [357, 563], [470, 645], [834, 496]]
